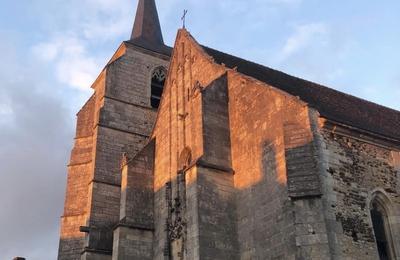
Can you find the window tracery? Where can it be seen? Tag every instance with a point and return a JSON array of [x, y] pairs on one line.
[[157, 86]]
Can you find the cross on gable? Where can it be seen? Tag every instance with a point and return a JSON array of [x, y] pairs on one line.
[[184, 18]]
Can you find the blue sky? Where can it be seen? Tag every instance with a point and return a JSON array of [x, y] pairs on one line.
[[53, 50]]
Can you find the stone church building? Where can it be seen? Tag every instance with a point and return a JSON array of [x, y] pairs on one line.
[[191, 153]]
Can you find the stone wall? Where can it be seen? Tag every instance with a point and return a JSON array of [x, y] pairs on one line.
[[242, 170], [117, 119], [179, 142], [215, 121], [217, 236], [269, 222], [133, 237], [279, 210], [125, 120], [355, 170], [79, 172]]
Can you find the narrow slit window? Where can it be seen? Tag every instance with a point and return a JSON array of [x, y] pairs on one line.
[[157, 86]]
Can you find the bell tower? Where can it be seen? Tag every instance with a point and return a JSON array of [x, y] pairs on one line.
[[117, 119]]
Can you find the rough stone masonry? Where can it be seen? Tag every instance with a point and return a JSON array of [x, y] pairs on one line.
[[191, 153]]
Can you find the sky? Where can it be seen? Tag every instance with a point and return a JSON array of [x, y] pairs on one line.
[[52, 50]]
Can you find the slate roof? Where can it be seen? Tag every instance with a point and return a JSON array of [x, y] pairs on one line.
[[146, 31], [330, 103]]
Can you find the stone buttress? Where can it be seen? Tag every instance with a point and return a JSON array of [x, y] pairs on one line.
[[117, 119]]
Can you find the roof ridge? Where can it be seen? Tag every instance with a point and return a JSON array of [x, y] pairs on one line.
[[330, 103], [299, 78]]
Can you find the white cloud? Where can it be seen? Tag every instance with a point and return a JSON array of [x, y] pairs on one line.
[[69, 53], [285, 2], [244, 8], [105, 30], [303, 36], [33, 121], [73, 64], [5, 109], [110, 19], [108, 5], [77, 71], [303, 48], [6, 114], [46, 51]]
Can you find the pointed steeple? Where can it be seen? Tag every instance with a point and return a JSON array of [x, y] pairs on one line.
[[147, 30]]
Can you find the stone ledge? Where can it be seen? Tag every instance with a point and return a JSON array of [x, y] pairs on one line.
[[96, 251], [121, 130], [129, 103], [79, 164], [360, 134], [200, 162], [103, 182], [133, 226]]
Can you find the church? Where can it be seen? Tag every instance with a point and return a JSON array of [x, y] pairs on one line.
[[192, 153]]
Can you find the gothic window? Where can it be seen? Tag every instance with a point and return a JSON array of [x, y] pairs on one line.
[[380, 223], [157, 86]]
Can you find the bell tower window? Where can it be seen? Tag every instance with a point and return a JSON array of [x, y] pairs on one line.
[[157, 85]]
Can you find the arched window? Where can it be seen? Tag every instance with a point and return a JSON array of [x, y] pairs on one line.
[[381, 226], [157, 86]]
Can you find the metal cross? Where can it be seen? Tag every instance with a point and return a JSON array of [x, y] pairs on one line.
[[184, 18]]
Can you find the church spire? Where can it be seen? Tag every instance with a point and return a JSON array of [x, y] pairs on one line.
[[147, 30]]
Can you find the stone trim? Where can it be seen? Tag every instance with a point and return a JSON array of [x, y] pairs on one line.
[[96, 251], [393, 217], [79, 164], [129, 103], [200, 162], [128, 159], [362, 135], [396, 160], [148, 51], [103, 182], [121, 130], [74, 215], [133, 226], [83, 137]]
